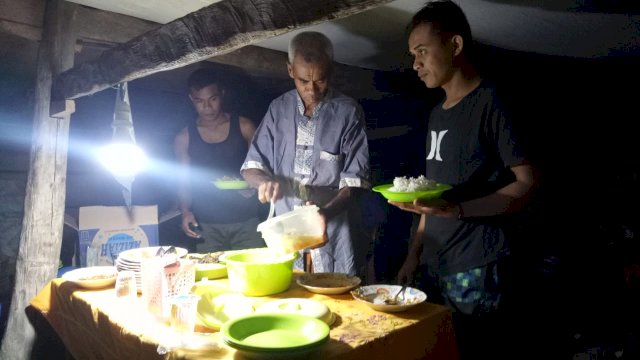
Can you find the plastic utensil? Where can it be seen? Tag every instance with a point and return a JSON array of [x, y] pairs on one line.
[[272, 209]]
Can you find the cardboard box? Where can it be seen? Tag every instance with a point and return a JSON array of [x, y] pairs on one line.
[[106, 231]]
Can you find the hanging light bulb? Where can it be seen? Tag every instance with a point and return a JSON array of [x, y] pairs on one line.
[[122, 157]]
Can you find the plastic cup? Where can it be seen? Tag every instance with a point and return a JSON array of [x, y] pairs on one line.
[[126, 285], [93, 256], [184, 309]]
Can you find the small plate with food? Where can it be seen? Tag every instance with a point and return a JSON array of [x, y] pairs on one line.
[[230, 183], [137, 255], [408, 189], [93, 277], [328, 283], [383, 297]]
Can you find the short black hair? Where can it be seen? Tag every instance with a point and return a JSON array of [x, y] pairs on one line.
[[202, 78], [446, 19]]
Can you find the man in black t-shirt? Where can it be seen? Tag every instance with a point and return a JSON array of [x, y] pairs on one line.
[[460, 244]]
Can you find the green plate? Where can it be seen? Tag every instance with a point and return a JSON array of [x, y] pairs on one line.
[[217, 306], [410, 196], [275, 332], [211, 271], [231, 184]]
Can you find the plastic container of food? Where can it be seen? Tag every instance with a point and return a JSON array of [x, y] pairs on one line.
[[293, 231], [260, 272]]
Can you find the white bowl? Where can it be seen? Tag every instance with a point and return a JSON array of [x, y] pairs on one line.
[[93, 277], [375, 295]]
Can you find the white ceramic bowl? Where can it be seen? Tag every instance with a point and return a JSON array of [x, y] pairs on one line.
[[375, 295], [93, 277]]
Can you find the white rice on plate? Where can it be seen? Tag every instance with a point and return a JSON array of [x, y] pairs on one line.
[[412, 184]]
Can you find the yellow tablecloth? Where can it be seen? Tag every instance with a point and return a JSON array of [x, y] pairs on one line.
[[94, 324]]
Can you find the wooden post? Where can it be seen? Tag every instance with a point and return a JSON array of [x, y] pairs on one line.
[[41, 236]]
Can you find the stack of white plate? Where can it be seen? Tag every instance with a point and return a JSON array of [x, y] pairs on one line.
[[131, 259]]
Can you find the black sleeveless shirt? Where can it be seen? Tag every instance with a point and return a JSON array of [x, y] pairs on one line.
[[212, 161]]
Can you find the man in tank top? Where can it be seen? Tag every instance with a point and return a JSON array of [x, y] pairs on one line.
[[212, 148]]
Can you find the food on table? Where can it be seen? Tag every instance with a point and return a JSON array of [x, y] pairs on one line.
[[97, 277], [209, 265], [381, 297], [412, 184], [388, 299], [92, 277], [208, 258], [328, 282]]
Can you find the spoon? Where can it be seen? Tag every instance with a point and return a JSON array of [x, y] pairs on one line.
[[394, 300], [272, 209]]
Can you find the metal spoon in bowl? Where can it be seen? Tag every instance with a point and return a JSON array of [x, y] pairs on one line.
[[394, 300]]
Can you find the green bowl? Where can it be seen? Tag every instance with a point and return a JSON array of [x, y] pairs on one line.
[[275, 333], [411, 196], [211, 271], [259, 272]]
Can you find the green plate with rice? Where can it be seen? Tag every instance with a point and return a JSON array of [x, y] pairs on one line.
[[411, 196]]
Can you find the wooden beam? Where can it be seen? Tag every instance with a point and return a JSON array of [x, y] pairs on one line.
[[104, 26], [44, 205], [26, 31], [62, 109], [256, 61], [22, 18], [213, 30]]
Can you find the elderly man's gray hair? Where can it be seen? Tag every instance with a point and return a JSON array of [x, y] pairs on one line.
[[312, 46]]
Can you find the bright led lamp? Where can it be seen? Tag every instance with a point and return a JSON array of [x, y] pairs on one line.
[[122, 157]]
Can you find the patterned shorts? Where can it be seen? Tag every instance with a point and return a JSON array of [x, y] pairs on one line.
[[475, 291]]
